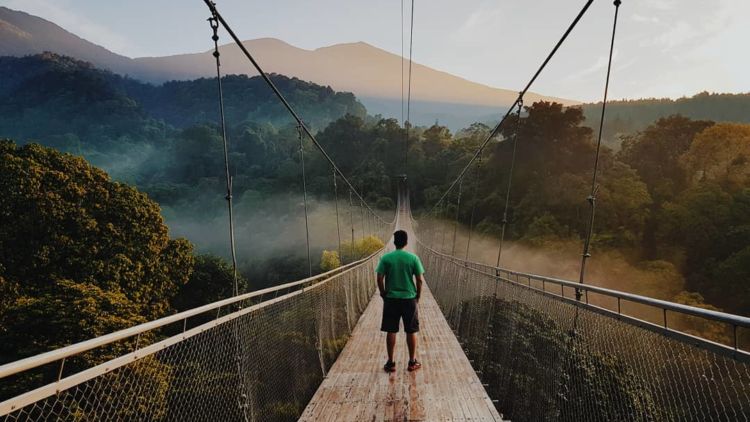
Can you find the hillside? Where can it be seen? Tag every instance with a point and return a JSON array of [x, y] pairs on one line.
[[357, 67], [372, 74], [47, 96], [24, 34], [630, 116]]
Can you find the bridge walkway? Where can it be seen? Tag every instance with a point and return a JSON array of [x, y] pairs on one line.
[[446, 388]]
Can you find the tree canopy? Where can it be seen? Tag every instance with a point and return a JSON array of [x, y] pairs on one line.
[[80, 255]]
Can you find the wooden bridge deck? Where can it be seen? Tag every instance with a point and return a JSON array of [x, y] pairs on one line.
[[445, 389]]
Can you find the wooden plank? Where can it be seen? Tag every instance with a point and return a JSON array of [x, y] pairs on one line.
[[446, 388], [357, 388]]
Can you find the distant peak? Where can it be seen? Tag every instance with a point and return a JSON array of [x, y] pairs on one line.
[[357, 44], [267, 40]]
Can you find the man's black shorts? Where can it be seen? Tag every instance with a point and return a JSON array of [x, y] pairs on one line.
[[396, 309]]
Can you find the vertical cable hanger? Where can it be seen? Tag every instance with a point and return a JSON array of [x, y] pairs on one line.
[[338, 225], [407, 124], [351, 218], [458, 210], [591, 199], [242, 399], [402, 62], [300, 135], [510, 180], [474, 205], [213, 21], [362, 216], [443, 228]]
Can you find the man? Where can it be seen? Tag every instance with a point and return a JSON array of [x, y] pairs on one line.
[[396, 273]]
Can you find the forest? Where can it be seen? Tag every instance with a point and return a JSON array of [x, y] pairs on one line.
[[102, 168], [625, 117]]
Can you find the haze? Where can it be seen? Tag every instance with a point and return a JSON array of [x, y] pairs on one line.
[[664, 47]]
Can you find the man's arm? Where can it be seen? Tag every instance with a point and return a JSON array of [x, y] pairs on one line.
[[420, 280], [381, 284]]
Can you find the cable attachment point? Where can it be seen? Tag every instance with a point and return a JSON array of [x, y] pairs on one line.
[[214, 22], [592, 198], [617, 3]]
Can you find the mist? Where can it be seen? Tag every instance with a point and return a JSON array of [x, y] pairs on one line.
[[562, 259], [267, 228]]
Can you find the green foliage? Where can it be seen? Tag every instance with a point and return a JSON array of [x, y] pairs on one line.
[[80, 255], [211, 280], [361, 248], [655, 153], [555, 374], [720, 155], [545, 228], [626, 117], [329, 260], [712, 330]]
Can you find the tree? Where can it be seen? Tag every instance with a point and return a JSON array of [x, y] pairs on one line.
[[655, 152], [720, 154], [329, 260], [80, 255], [212, 280], [436, 138]]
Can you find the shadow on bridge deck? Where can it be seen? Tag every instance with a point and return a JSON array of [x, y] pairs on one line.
[[446, 388]]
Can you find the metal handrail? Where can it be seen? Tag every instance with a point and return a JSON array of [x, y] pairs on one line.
[[84, 346], [734, 320]]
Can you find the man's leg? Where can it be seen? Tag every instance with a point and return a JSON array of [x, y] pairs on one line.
[[411, 325], [411, 342], [390, 344], [390, 326]]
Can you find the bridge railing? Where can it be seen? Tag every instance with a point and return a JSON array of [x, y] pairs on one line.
[[257, 356], [610, 356]]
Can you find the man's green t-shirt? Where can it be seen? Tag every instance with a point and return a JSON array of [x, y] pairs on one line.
[[399, 267]]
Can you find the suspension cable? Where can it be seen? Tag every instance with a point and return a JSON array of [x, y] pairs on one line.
[[594, 187], [338, 225], [407, 124], [215, 37], [497, 127], [510, 182], [304, 191], [212, 6]]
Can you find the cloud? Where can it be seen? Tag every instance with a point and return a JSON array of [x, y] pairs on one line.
[[644, 19], [596, 68], [665, 5], [58, 12]]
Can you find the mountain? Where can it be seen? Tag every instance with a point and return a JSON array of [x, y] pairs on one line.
[[356, 67], [53, 99], [374, 75], [24, 34]]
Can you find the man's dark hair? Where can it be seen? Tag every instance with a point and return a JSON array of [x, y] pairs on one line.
[[400, 238]]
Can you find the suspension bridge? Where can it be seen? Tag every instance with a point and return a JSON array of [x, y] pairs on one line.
[[496, 344]]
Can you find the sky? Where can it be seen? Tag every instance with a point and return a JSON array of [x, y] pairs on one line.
[[664, 48]]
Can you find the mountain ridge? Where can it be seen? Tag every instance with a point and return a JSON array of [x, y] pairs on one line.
[[371, 73]]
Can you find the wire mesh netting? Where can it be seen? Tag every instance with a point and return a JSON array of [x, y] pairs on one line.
[[546, 358], [260, 363]]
